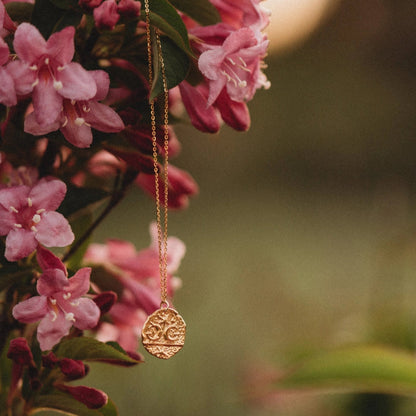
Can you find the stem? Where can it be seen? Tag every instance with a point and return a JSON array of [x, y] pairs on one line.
[[116, 198]]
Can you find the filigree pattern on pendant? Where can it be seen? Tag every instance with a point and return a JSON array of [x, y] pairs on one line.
[[163, 333]]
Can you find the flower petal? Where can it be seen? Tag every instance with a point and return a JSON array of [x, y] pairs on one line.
[[48, 194], [19, 244], [23, 77], [78, 135], [234, 113], [6, 220], [102, 81], [33, 127], [31, 310], [54, 230], [51, 330], [47, 103], [7, 90], [60, 45], [77, 83], [51, 281], [86, 314], [48, 260], [79, 283], [15, 196], [104, 118], [203, 117], [28, 43]]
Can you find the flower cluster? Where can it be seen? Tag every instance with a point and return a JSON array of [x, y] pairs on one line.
[[76, 136]]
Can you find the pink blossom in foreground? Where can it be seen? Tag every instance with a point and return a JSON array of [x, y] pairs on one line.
[[60, 305], [28, 217], [181, 187], [44, 69], [78, 117], [234, 65], [138, 271], [7, 91]]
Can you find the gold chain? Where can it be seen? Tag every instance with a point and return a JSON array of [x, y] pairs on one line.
[[162, 234]]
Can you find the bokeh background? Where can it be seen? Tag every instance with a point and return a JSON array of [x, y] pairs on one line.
[[303, 235]]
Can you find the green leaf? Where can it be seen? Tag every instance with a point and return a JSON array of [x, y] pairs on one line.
[[361, 369], [164, 16], [19, 12], [77, 199], [69, 406], [90, 349], [49, 18], [176, 67], [201, 11]]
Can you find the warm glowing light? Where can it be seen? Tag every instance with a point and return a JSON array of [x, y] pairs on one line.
[[293, 20]]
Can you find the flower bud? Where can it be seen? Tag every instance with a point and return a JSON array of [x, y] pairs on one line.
[[105, 301], [20, 352], [72, 369], [49, 360], [129, 8], [105, 15], [92, 398]]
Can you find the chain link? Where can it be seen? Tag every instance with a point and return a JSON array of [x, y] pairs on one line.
[[162, 233]]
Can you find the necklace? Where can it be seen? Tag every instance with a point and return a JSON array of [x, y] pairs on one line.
[[163, 333]]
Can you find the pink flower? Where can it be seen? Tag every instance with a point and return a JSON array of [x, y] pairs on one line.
[[203, 117], [138, 271], [181, 187], [28, 217], [45, 69], [244, 13], [77, 117], [60, 304], [234, 65], [106, 15], [7, 90]]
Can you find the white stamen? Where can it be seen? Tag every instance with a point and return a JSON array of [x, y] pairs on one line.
[[35, 83], [242, 61], [33, 67], [66, 296], [70, 317], [242, 84], [54, 316], [231, 60], [36, 218], [39, 211], [53, 301], [61, 68], [73, 102], [65, 122], [57, 85], [13, 209], [76, 303], [29, 202], [87, 124], [46, 61], [79, 121], [244, 68], [86, 109], [34, 229], [18, 225]]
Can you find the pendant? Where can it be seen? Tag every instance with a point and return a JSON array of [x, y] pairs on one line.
[[163, 333]]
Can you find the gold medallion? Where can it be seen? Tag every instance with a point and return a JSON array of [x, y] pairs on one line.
[[163, 333]]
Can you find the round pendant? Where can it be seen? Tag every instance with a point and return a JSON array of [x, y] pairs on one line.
[[163, 333]]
